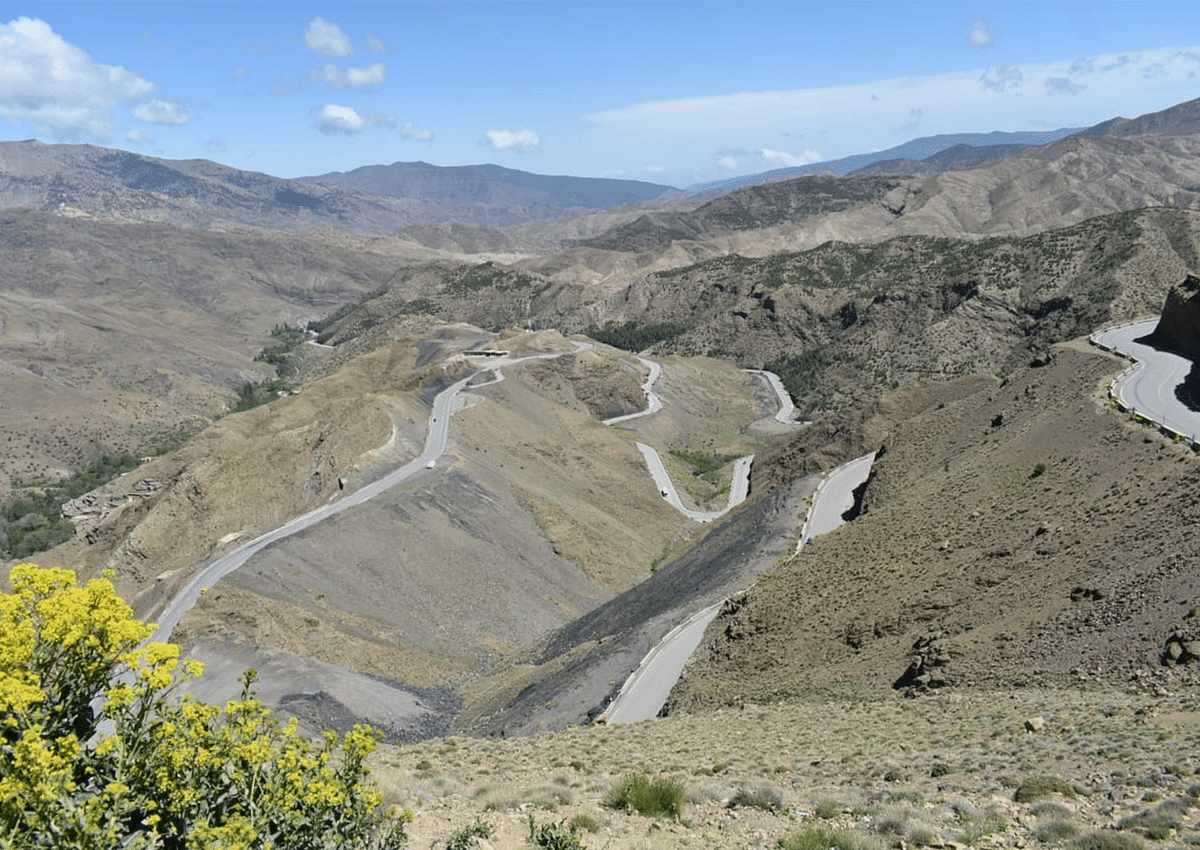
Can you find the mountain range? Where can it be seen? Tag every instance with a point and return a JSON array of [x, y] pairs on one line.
[[1018, 533]]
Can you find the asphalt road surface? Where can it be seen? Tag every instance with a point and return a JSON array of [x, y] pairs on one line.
[[739, 487], [435, 446], [787, 408], [644, 693], [653, 402], [1149, 388]]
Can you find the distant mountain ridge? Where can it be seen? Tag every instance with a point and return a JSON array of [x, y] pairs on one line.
[[916, 149], [928, 155], [114, 184], [490, 184]]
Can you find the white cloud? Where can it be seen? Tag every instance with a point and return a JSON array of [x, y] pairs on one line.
[[326, 38], [378, 45], [1001, 78], [160, 111], [334, 118], [411, 131], [137, 137], [655, 169], [877, 114], [1062, 85], [785, 159], [980, 34], [341, 78], [57, 88], [240, 73], [340, 119], [521, 141]]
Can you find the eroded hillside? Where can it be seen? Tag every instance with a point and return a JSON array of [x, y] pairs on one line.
[[1022, 534]]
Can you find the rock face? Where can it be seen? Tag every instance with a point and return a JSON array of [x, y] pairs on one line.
[[1178, 330], [1182, 647]]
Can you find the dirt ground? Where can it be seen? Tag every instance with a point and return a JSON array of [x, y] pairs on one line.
[[937, 771]]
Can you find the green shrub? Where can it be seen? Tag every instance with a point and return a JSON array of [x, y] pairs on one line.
[[464, 839], [1039, 787], [32, 519], [815, 838], [554, 836], [1108, 841], [95, 754], [827, 809], [1049, 808], [584, 822], [760, 796], [649, 797], [1055, 830]]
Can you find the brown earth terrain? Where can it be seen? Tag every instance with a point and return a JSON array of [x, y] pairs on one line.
[[1017, 598], [1019, 534]]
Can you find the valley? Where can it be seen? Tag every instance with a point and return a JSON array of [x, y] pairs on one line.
[[508, 454]]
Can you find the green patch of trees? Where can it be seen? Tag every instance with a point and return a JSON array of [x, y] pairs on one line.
[[31, 519], [632, 336]]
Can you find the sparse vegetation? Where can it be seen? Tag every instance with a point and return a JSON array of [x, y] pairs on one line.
[[760, 795], [1100, 840], [464, 838], [554, 836], [1040, 787], [649, 797]]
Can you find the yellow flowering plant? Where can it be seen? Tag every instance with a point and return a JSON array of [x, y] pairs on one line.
[[97, 752]]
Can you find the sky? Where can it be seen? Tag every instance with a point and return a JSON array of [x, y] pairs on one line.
[[669, 92]]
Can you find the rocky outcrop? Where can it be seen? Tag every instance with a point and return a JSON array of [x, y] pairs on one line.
[[1182, 647], [92, 509], [927, 669], [1178, 330]]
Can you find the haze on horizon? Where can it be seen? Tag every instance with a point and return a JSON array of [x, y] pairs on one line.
[[668, 92]]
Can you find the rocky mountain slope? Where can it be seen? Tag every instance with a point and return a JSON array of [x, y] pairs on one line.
[[478, 188], [123, 186], [1016, 531], [1019, 534], [117, 336]]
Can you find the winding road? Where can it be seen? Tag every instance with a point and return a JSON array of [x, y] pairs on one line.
[[787, 408], [653, 402], [1148, 388], [435, 446]]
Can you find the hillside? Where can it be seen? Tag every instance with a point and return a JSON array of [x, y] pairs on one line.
[[117, 185], [510, 588], [483, 187], [119, 336], [842, 323], [1025, 534]]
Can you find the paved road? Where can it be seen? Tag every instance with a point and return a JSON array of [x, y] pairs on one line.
[[438, 438], [1149, 387], [787, 408], [739, 487], [834, 497], [653, 402], [645, 692]]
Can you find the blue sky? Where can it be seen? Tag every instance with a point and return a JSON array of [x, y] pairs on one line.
[[673, 93]]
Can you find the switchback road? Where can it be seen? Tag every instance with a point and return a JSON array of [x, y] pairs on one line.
[[1148, 389], [435, 446]]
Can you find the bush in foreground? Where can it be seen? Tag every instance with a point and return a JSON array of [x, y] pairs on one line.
[[649, 797], [93, 754]]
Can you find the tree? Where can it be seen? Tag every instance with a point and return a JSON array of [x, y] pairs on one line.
[[97, 752]]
